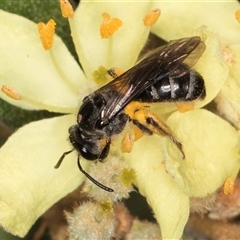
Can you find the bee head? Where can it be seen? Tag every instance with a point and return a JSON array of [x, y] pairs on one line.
[[90, 145]]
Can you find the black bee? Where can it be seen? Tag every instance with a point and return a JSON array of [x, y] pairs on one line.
[[164, 75]]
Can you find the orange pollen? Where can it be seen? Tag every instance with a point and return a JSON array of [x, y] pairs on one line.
[[237, 14], [151, 17], [11, 92], [66, 8], [46, 32], [228, 187], [109, 25]]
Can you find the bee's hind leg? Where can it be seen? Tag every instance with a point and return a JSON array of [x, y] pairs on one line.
[[150, 123]]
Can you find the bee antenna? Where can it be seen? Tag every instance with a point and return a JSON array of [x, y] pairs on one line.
[[92, 179], [61, 158]]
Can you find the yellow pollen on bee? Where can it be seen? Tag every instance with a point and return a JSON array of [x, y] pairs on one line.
[[184, 107], [11, 92], [228, 187], [109, 25], [46, 32], [151, 17], [237, 14], [66, 8]]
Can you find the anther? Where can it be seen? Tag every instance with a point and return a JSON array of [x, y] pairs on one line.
[[151, 17], [109, 25], [228, 187], [237, 14], [11, 92], [46, 32], [66, 8]]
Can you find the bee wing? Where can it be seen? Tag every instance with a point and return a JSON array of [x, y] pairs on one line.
[[155, 66]]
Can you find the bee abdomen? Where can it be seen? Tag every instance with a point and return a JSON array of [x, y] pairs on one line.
[[186, 87]]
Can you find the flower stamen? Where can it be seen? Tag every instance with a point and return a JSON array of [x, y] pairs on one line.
[[237, 14], [109, 25], [228, 187], [46, 32], [14, 94], [66, 8], [151, 17], [11, 92]]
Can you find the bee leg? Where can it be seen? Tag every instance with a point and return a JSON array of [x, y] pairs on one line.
[[150, 123], [161, 128]]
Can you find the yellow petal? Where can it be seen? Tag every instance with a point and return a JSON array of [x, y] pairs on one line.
[[211, 65], [211, 148], [179, 19], [169, 204], [126, 43], [228, 100], [29, 183], [51, 80]]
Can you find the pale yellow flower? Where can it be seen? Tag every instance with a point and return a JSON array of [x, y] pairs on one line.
[[53, 81]]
